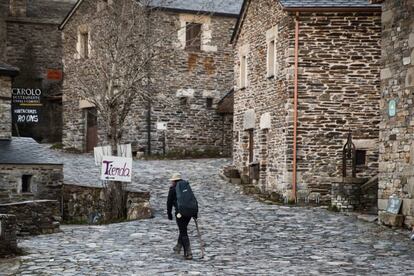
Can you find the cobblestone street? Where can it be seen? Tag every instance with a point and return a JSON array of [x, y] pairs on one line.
[[242, 236]]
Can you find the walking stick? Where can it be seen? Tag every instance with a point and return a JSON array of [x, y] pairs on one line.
[[199, 237]]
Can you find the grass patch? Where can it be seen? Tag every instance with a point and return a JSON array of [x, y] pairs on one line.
[[57, 146]]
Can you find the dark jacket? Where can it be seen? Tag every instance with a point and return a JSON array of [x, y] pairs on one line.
[[172, 200]]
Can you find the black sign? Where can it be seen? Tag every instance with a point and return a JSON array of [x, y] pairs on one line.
[[26, 105]]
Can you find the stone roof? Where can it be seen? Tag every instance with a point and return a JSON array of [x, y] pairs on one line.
[[230, 7], [22, 150], [326, 3], [219, 7], [50, 9], [8, 70]]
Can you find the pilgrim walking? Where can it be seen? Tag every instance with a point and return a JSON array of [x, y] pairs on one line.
[[181, 197]]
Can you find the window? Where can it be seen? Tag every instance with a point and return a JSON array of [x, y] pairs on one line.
[[84, 44], [360, 157], [26, 181], [243, 71], [271, 58], [193, 36], [183, 101], [209, 103]]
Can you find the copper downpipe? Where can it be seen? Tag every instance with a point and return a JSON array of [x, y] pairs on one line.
[[295, 107]]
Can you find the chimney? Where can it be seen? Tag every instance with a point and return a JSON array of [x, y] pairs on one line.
[[18, 8], [7, 73]]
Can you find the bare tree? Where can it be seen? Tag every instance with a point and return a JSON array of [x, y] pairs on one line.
[[117, 57]]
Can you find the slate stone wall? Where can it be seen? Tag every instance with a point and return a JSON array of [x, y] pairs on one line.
[[8, 239], [262, 96], [5, 107], [351, 195], [46, 182], [338, 91], [3, 14], [32, 42], [34, 47], [83, 204], [176, 74], [34, 217], [397, 83]]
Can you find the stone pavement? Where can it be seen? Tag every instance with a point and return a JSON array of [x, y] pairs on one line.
[[242, 235]]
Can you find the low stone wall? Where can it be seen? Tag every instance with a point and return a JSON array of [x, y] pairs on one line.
[[138, 205], [34, 217], [46, 182], [8, 240], [353, 195], [84, 204]]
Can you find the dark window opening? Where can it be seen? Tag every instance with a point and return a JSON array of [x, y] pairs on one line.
[[91, 129], [251, 145], [26, 181], [183, 101], [209, 103], [361, 156], [85, 45], [193, 36]]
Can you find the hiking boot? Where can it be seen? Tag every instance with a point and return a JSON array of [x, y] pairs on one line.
[[188, 255], [177, 247]]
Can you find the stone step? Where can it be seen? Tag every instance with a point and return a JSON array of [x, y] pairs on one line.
[[251, 189]]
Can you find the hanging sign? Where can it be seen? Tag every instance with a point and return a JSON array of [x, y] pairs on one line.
[[26, 105], [116, 168], [392, 108]]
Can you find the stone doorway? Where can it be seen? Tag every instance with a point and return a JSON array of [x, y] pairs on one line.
[[91, 129]]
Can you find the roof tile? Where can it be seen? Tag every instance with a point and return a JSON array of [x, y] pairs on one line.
[[327, 3], [21, 150], [213, 6]]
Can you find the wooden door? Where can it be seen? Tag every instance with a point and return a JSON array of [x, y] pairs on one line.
[[91, 129]]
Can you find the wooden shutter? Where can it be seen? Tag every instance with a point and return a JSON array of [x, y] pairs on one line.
[[193, 36]]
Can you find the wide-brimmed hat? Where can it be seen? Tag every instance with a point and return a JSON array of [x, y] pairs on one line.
[[175, 177]]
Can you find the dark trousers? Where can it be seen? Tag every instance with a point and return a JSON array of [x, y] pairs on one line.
[[183, 236], [182, 225]]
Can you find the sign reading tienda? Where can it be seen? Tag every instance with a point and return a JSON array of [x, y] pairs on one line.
[[116, 168], [26, 105]]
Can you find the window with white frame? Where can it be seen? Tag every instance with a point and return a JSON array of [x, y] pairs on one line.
[[84, 38], [271, 64], [83, 42]]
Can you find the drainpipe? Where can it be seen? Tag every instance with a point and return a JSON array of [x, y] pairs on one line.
[[295, 107], [149, 127]]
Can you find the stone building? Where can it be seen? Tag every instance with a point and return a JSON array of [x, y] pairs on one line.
[[307, 74], [31, 41], [396, 156], [27, 170], [192, 79]]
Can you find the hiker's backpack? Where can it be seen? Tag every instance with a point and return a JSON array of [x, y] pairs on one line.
[[186, 201]]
